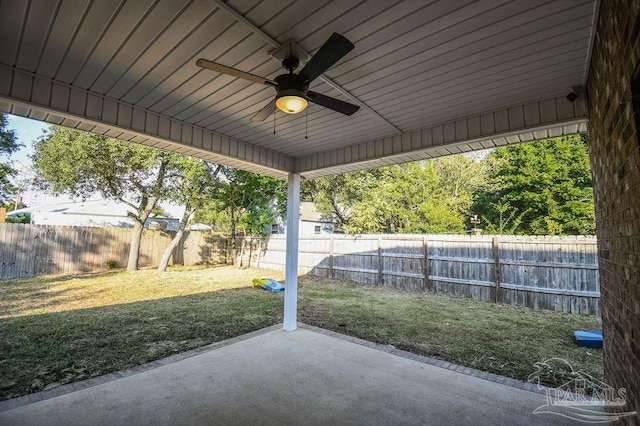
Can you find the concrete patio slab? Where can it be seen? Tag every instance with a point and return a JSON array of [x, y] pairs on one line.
[[277, 377]]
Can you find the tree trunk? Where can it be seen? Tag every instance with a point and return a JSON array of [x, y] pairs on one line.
[[242, 245], [136, 236], [176, 239], [234, 246], [147, 203], [134, 249]]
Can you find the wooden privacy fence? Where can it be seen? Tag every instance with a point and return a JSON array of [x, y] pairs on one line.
[[557, 273], [28, 250]]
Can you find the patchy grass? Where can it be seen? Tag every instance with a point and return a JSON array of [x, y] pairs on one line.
[[56, 330], [40, 295], [501, 339]]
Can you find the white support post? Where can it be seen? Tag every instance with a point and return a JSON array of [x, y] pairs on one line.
[[291, 268]]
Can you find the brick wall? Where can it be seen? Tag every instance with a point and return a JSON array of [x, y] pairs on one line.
[[615, 161]]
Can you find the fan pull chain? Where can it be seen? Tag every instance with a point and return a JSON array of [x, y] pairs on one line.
[[306, 123], [274, 122]]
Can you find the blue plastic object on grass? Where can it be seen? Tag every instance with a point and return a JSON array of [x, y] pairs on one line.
[[268, 284], [589, 338]]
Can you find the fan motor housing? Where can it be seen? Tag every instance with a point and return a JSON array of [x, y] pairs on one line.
[[292, 90], [292, 83]]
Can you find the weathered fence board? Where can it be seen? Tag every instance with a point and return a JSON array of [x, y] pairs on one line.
[[29, 250], [558, 273]]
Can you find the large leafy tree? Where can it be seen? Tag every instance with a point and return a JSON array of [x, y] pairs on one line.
[[337, 196], [82, 164], [461, 177], [245, 203], [540, 188], [432, 196], [8, 145], [192, 183], [408, 199]]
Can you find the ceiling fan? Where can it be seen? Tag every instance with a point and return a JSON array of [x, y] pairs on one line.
[[292, 90]]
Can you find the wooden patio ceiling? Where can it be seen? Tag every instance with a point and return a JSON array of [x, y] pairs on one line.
[[431, 78]]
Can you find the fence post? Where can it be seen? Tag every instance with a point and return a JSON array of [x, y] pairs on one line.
[[425, 246], [379, 259], [331, 274], [496, 267]]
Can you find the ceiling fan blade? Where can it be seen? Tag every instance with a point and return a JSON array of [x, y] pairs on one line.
[[331, 52], [332, 103], [203, 63], [265, 112]]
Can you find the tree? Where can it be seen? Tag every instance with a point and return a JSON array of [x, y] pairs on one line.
[[540, 188], [193, 184], [508, 218], [338, 195], [82, 164], [432, 196], [8, 145], [408, 199], [462, 177], [246, 202]]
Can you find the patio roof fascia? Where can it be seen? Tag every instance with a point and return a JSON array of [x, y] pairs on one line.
[[33, 96], [29, 95], [522, 123]]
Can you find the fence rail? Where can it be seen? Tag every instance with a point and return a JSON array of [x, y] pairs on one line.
[[29, 250], [558, 273]]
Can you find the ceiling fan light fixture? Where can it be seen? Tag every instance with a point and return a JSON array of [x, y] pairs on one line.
[[291, 101], [292, 90]]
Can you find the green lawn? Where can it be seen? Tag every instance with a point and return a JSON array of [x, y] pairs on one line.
[[56, 330], [501, 339]]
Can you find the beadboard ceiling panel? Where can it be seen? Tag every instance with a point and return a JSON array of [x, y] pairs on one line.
[[416, 64]]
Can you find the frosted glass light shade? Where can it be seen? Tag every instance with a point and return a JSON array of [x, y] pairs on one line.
[[291, 104]]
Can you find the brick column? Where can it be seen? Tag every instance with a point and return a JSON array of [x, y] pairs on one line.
[[615, 161]]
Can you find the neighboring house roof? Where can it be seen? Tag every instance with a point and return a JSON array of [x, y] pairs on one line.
[[101, 208], [101, 212], [85, 208], [309, 213], [200, 227]]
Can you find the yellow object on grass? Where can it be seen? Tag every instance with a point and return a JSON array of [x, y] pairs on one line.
[[259, 282], [267, 284]]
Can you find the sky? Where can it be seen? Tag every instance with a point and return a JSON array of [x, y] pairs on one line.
[[28, 131]]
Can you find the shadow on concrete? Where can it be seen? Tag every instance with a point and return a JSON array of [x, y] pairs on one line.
[[277, 377]]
